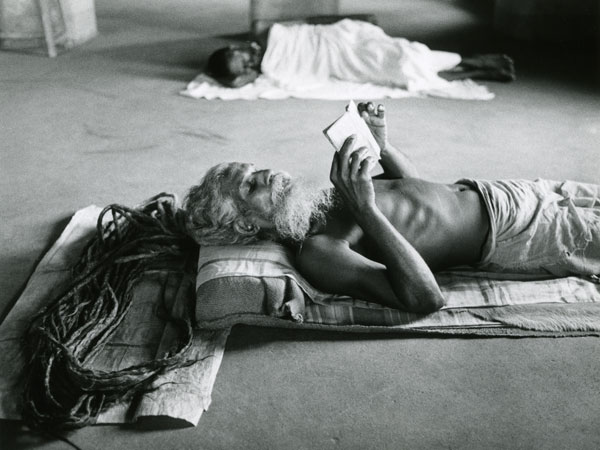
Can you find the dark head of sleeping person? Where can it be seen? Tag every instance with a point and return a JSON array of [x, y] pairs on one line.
[[235, 65]]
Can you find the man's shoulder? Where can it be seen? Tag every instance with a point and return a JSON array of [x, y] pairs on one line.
[[320, 246], [321, 256], [322, 240]]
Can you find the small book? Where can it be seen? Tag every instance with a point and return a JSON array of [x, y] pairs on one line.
[[348, 124]]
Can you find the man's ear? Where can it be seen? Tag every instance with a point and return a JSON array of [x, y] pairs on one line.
[[245, 227]]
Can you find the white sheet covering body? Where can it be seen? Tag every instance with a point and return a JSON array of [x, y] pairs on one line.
[[302, 55], [345, 60]]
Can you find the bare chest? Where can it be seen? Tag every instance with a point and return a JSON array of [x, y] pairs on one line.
[[434, 219]]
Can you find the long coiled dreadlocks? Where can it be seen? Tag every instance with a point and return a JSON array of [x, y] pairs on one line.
[[60, 391]]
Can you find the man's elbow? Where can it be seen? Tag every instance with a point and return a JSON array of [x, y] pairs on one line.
[[425, 303]]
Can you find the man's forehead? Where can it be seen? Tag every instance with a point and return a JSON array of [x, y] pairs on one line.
[[235, 173], [239, 169]]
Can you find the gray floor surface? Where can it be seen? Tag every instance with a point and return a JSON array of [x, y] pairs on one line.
[[103, 124]]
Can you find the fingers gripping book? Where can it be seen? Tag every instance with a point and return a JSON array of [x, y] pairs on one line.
[[348, 124]]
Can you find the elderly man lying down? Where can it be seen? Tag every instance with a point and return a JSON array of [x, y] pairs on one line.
[[304, 55], [380, 239]]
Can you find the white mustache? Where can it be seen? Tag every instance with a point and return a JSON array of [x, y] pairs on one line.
[[280, 183]]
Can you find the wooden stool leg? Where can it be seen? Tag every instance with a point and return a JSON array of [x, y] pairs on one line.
[[47, 26]]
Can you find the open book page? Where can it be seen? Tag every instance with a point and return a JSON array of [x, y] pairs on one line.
[[351, 123]]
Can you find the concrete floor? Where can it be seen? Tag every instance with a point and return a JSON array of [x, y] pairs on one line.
[[103, 124]]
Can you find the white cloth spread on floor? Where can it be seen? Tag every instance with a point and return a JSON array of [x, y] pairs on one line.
[[348, 59]]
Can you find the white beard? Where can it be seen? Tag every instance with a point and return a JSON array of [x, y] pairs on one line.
[[296, 207]]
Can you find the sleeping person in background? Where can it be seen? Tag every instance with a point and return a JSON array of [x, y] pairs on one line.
[[301, 55]]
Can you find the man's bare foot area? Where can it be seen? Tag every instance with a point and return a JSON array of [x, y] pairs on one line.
[[493, 66]]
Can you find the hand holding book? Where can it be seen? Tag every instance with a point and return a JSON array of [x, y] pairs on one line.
[[351, 123]]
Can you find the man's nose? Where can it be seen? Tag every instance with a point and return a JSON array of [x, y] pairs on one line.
[[267, 174]]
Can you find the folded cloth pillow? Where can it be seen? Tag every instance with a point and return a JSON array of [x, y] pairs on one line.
[[249, 283]]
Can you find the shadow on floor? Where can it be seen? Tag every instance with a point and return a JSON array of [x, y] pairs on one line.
[[15, 435], [178, 60], [575, 64], [245, 337]]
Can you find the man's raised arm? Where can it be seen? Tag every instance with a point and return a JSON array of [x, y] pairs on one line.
[[404, 281], [395, 163]]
